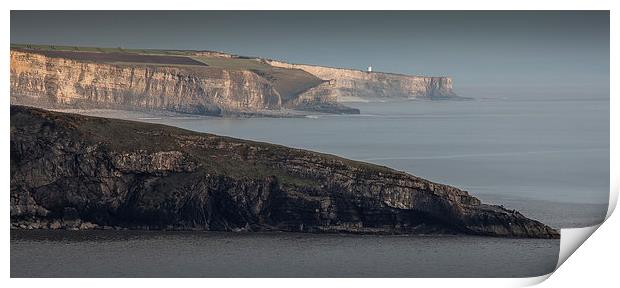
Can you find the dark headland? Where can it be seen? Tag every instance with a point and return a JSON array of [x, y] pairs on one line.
[[77, 172]]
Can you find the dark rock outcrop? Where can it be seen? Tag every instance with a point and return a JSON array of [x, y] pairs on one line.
[[78, 172]]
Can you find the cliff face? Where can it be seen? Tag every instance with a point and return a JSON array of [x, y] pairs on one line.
[[44, 81], [201, 82], [346, 84], [78, 172]]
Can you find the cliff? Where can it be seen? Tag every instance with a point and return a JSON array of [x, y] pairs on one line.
[[131, 81], [350, 85], [199, 82], [78, 172]]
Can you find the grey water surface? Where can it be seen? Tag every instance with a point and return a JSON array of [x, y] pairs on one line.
[[213, 254]]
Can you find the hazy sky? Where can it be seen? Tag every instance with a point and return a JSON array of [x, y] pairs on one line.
[[490, 53]]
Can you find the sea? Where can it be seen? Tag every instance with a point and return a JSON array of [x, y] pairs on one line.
[[548, 158]]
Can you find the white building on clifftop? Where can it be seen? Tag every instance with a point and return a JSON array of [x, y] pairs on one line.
[[369, 68]]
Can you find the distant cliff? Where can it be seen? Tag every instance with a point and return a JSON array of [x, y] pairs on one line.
[[349, 85], [78, 172], [61, 82], [199, 82], [70, 79]]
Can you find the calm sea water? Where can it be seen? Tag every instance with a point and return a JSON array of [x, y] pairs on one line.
[[546, 158], [212, 254]]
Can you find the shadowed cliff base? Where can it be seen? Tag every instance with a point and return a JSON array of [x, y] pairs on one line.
[[77, 172]]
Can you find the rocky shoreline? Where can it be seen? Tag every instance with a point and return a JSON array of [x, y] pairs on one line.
[[77, 224]]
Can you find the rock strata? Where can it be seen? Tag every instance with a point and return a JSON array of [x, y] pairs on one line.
[[77, 172], [201, 82], [55, 82]]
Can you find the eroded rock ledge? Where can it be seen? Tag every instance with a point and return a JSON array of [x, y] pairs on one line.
[[77, 172]]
